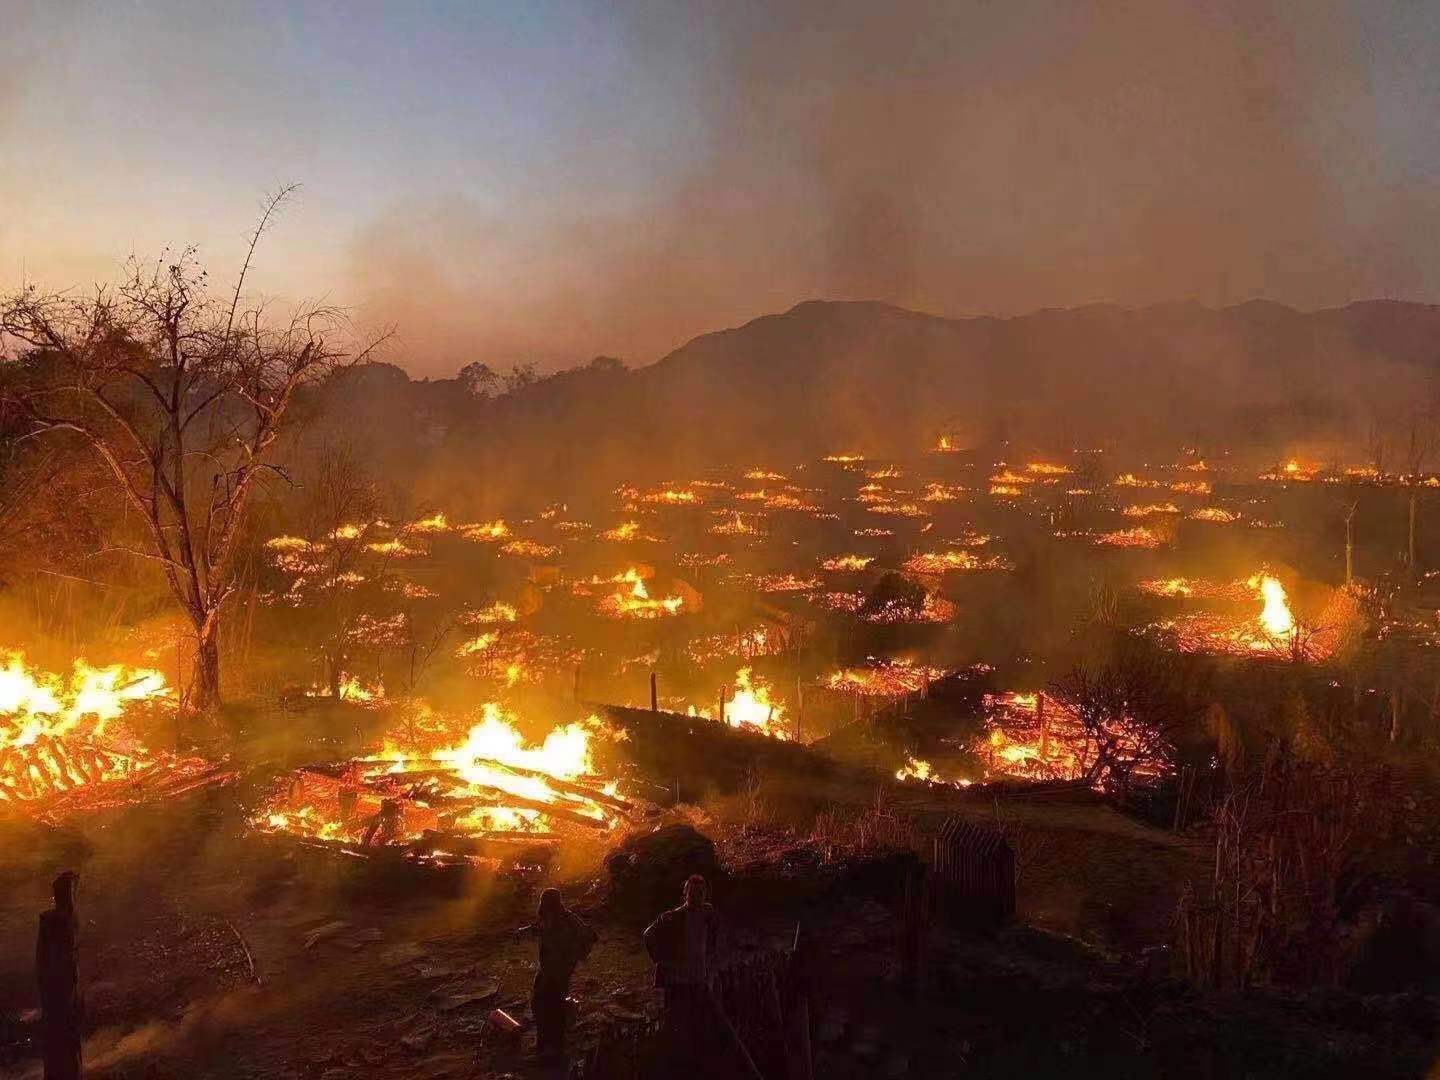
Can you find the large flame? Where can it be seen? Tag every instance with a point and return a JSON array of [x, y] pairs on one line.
[[35, 703], [1275, 617], [751, 705], [65, 745], [489, 783], [633, 600]]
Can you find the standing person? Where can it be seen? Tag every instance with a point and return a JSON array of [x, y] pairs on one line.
[[565, 940], [58, 979], [682, 943]]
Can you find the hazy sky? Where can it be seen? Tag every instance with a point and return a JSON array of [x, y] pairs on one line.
[[526, 180]]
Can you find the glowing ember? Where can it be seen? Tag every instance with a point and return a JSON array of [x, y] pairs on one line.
[[776, 583], [923, 772], [935, 609], [737, 526], [497, 612], [847, 562], [935, 492], [1132, 481], [485, 531], [940, 562], [1140, 537], [1010, 478], [351, 689], [633, 600], [840, 601], [393, 549], [885, 678], [763, 640], [1215, 514], [698, 558], [1041, 468], [1292, 470], [896, 508], [1032, 736], [1196, 587], [672, 497], [478, 644], [1151, 509], [529, 549], [777, 500], [627, 530], [435, 523]]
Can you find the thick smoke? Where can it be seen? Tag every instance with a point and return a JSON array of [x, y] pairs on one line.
[[958, 158]]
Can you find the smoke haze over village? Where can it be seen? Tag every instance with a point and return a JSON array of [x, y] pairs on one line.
[[551, 182]]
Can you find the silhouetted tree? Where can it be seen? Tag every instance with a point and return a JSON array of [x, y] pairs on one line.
[[182, 396], [479, 380]]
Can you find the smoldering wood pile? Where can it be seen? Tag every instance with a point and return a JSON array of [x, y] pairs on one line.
[[373, 808], [55, 776]]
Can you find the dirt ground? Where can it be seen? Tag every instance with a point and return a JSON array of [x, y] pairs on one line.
[[212, 952]]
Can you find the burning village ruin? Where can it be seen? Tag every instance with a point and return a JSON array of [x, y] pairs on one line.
[[1004, 642]]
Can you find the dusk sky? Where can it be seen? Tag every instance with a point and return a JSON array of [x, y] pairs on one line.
[[536, 181]]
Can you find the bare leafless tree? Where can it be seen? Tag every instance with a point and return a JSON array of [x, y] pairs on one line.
[[1377, 436], [181, 394], [1131, 707], [337, 508], [1421, 434]]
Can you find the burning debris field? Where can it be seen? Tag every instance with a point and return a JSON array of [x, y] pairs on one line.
[[464, 709]]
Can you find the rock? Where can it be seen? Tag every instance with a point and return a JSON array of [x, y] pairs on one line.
[[438, 1066], [648, 870], [417, 1039], [434, 971], [483, 992], [360, 939], [320, 933], [401, 954], [799, 858]]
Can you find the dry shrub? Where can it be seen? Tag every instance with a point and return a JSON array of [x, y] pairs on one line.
[[838, 831], [1291, 844]]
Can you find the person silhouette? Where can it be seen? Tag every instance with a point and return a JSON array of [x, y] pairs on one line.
[[565, 940], [58, 979]]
